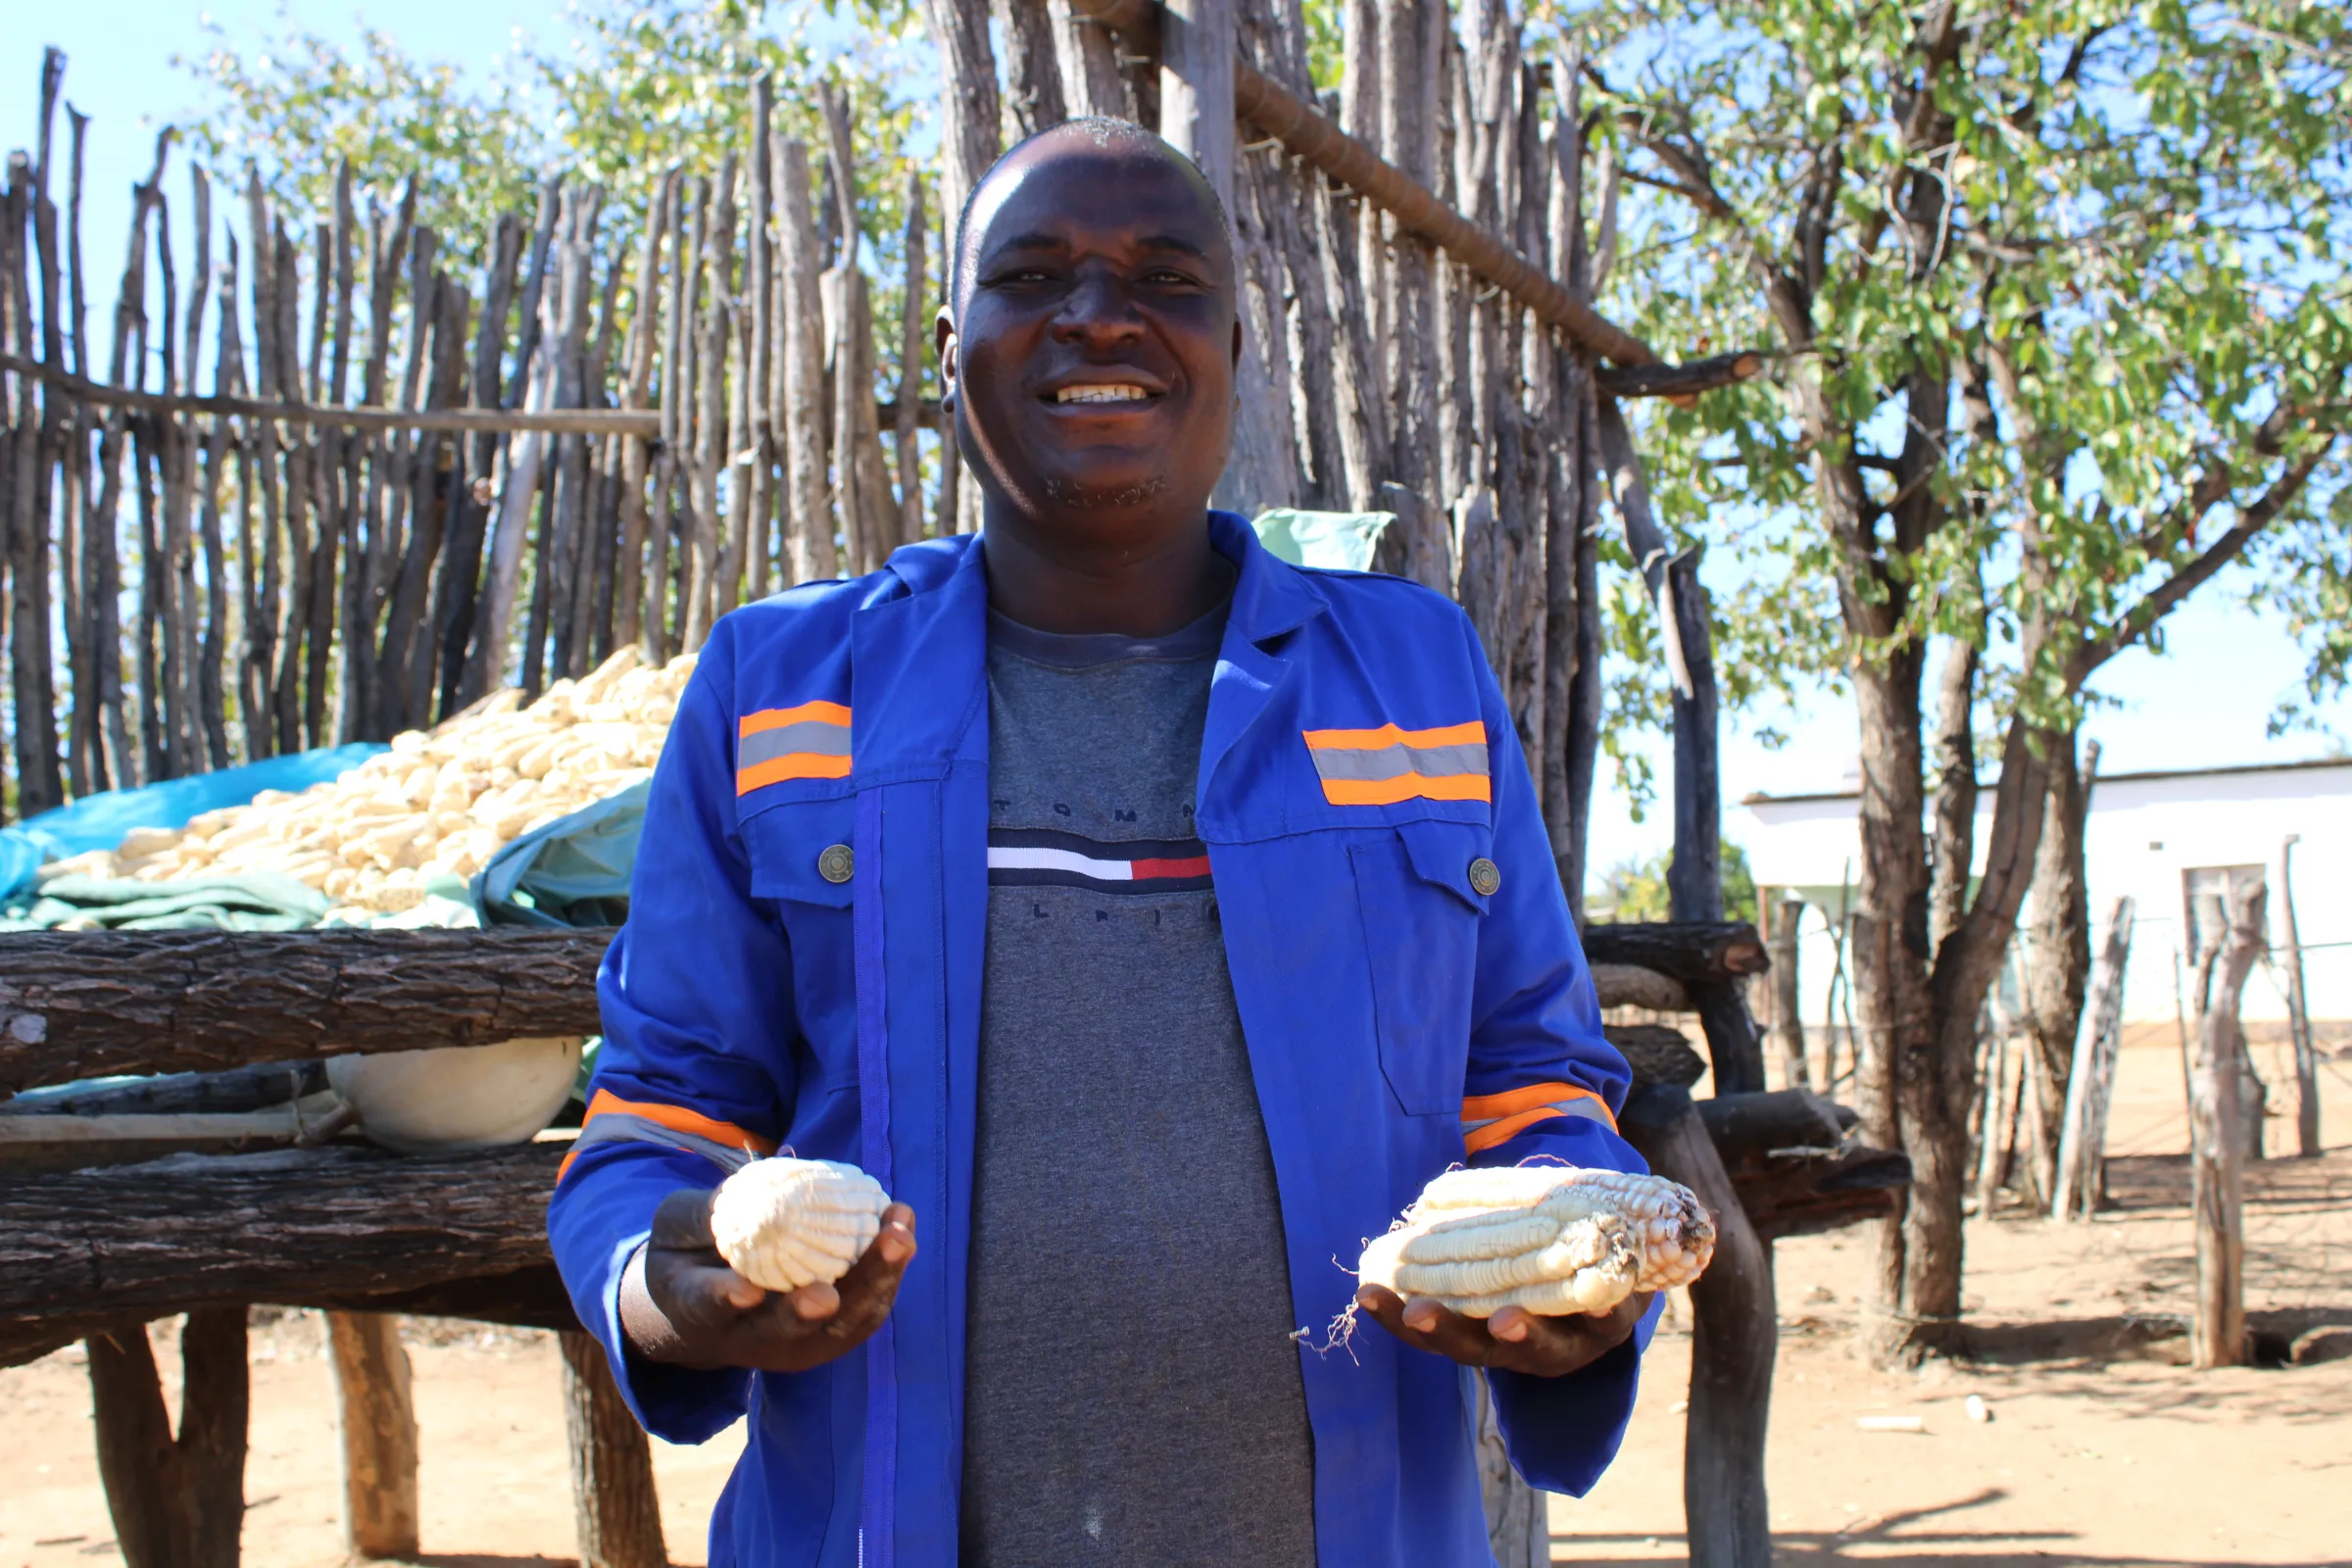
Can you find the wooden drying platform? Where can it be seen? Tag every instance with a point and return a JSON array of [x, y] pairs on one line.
[[96, 1254]]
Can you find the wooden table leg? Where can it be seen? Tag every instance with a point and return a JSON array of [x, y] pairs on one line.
[[379, 1434], [177, 1501], [611, 1465]]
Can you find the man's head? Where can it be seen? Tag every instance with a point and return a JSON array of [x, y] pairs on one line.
[[1091, 337]]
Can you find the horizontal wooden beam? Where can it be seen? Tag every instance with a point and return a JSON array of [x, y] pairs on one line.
[[1305, 132], [317, 1227], [555, 421], [86, 1004]]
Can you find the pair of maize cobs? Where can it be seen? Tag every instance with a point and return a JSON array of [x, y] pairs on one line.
[[1552, 1238]]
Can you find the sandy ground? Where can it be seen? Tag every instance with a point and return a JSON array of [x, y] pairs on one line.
[[2101, 1449]]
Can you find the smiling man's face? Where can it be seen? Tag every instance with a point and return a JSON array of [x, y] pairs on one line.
[[1094, 354]]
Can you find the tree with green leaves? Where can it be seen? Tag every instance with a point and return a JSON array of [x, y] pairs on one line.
[[635, 90], [2057, 311]]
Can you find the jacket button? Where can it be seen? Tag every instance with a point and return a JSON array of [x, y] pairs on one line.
[[1484, 876], [837, 864]]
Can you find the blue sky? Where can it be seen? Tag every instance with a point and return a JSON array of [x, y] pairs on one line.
[[2204, 703]]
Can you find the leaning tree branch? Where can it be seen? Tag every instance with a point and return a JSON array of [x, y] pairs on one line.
[[2097, 647], [1659, 379]]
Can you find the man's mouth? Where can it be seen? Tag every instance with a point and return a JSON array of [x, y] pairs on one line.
[[1120, 392]]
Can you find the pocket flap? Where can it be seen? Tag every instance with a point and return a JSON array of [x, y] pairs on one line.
[[1442, 855], [800, 851]]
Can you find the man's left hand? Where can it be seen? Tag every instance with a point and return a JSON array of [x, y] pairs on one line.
[[1514, 1339]]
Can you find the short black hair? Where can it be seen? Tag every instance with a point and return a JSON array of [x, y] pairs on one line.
[[1105, 128]]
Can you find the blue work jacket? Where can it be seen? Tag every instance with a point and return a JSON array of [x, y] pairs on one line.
[[800, 970]]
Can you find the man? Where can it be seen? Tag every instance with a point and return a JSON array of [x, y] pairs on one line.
[[1152, 920]]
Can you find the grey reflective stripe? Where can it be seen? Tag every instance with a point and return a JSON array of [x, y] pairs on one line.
[[620, 1126], [1395, 762], [812, 737], [1590, 1110]]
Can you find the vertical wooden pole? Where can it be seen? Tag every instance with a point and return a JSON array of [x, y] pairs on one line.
[[2217, 1129], [1089, 64], [1733, 1343], [379, 1434], [757, 374], [613, 1500], [2081, 1141], [1787, 1017], [1036, 97], [636, 454], [2298, 1009], [913, 345], [810, 530]]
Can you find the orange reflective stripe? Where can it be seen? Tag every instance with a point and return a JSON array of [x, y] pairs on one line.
[[1479, 1107], [1496, 1132], [1473, 733], [778, 717], [680, 1119], [792, 764], [1406, 787]]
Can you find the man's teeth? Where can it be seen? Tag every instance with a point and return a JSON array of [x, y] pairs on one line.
[[1101, 394]]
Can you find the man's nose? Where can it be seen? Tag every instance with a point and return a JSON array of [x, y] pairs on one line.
[[1098, 309]]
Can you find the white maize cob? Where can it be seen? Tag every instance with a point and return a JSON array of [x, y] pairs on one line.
[[1547, 1238], [784, 1223]]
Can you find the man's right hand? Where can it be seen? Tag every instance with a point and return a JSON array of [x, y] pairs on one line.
[[681, 1303]]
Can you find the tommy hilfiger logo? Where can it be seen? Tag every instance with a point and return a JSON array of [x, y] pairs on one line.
[[1041, 858]]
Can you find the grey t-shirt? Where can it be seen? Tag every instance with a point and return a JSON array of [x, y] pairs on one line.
[[1132, 1396]]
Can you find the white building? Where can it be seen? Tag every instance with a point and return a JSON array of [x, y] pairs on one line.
[[2153, 837]]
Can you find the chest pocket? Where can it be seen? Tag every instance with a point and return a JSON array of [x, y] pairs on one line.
[[1422, 915], [801, 864]]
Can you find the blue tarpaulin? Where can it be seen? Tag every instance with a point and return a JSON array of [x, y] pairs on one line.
[[102, 822], [574, 872]]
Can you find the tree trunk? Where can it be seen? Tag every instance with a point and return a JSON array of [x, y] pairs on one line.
[[177, 1501], [1896, 1041], [612, 1496], [83, 1004], [2217, 1138], [379, 1434], [1731, 1348], [2057, 971]]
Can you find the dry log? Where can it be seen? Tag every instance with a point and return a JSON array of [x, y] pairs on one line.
[[1625, 985], [1658, 379], [1693, 951], [1657, 1054], [255, 1088], [300, 1226], [82, 1005]]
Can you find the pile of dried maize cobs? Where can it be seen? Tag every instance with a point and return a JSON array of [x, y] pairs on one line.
[[440, 802], [784, 1223], [1552, 1239]]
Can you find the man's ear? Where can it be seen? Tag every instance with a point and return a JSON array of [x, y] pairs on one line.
[[942, 340]]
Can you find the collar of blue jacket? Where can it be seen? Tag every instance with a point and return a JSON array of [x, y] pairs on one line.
[[1408, 979]]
